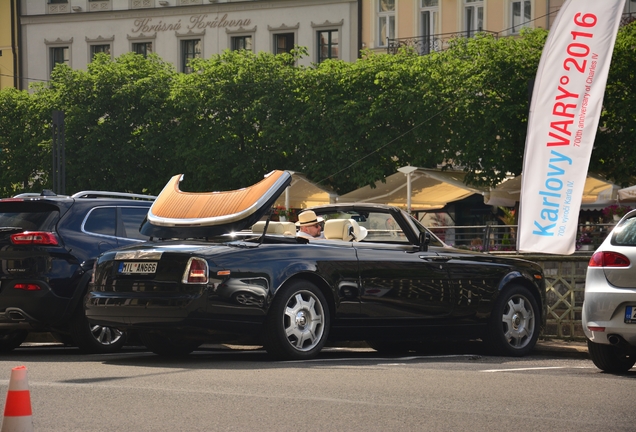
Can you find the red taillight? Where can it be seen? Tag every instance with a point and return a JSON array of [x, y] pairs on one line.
[[35, 238], [196, 271], [27, 286], [609, 259], [596, 329]]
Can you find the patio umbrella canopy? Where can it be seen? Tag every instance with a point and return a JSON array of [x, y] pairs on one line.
[[627, 194], [430, 189], [302, 193], [597, 192]]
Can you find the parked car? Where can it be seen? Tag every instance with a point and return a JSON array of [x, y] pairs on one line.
[[609, 306], [199, 279], [48, 244]]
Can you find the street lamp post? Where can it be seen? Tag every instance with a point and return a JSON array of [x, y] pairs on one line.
[[408, 170]]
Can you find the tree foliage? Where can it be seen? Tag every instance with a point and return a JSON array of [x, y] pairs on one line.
[[133, 122]]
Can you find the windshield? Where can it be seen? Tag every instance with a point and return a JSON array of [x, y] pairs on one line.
[[381, 227], [28, 215], [421, 228]]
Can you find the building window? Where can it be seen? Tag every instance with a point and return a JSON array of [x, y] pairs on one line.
[[57, 1], [96, 49], [328, 45], [143, 48], [429, 13], [521, 15], [59, 55], [283, 43], [241, 43], [386, 21], [190, 49], [473, 17]]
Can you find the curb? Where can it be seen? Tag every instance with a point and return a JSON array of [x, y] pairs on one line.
[[569, 348]]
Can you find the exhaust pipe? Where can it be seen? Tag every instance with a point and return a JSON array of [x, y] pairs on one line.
[[615, 339]]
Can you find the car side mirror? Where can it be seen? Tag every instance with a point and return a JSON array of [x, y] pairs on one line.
[[425, 240]]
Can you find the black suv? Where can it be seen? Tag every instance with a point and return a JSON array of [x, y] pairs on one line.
[[48, 244]]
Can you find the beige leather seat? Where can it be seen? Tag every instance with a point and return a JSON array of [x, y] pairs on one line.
[[344, 229], [283, 228]]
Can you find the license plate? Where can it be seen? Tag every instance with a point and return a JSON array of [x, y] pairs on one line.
[[630, 315], [137, 267]]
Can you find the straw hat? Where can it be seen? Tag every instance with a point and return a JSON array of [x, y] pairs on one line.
[[308, 218]]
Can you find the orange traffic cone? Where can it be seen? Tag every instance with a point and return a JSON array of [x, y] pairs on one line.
[[17, 408]]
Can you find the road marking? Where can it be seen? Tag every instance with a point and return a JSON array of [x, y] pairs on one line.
[[537, 368]]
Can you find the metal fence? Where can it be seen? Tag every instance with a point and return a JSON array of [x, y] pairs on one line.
[[503, 238]]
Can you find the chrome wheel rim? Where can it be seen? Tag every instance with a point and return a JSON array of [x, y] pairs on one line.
[[304, 321], [106, 335], [518, 321]]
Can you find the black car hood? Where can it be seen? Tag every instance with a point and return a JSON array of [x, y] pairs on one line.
[[177, 214]]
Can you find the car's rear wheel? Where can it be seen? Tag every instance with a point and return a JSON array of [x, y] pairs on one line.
[[168, 345], [297, 325], [93, 338], [609, 358], [11, 339], [514, 322]]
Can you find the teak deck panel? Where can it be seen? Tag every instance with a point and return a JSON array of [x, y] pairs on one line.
[[172, 203]]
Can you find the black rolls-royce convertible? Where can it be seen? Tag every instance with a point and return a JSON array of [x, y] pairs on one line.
[[218, 269]]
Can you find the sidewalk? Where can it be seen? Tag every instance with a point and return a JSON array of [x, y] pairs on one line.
[[561, 347]]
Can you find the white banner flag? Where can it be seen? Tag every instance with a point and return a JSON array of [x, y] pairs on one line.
[[564, 115]]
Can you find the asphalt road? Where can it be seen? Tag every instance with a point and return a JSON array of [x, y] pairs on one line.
[[453, 388]]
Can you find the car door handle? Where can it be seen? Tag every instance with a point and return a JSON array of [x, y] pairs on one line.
[[435, 258]]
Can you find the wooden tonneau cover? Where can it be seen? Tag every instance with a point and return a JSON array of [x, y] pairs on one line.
[[174, 208]]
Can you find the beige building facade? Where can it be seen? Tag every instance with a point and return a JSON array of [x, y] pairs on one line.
[[73, 31], [9, 37], [428, 24]]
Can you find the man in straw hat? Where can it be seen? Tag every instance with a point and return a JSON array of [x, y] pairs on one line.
[[309, 225]]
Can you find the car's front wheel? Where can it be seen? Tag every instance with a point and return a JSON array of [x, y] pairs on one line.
[[609, 358], [514, 322], [93, 338], [11, 339], [297, 325]]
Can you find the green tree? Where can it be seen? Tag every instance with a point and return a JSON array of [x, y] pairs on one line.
[[236, 114], [133, 122], [116, 119], [25, 141], [613, 153]]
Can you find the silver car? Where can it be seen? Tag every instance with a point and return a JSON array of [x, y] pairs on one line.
[[609, 307]]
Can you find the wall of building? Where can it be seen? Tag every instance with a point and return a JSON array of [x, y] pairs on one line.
[[7, 43], [120, 23], [451, 19]]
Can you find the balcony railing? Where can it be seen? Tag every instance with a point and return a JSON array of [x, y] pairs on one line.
[[628, 18], [426, 44], [503, 238]]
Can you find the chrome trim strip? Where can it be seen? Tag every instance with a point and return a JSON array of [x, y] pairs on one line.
[[138, 255]]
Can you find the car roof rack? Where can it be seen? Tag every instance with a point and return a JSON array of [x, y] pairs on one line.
[[104, 194]]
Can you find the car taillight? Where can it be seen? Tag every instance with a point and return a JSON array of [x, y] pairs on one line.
[[609, 259], [27, 286], [196, 271], [35, 238]]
